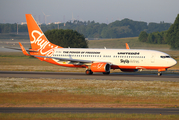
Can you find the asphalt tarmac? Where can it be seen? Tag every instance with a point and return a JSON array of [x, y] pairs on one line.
[[97, 76], [91, 110]]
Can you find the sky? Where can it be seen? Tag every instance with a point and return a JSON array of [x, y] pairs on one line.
[[102, 11]]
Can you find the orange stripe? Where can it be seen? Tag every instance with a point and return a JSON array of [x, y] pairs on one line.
[[139, 67]]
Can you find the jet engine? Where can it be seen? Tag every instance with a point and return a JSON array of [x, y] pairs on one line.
[[100, 67]]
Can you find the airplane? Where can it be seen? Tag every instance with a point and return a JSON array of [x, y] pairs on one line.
[[94, 60]]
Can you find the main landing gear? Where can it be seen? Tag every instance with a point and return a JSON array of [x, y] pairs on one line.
[[106, 73], [88, 72]]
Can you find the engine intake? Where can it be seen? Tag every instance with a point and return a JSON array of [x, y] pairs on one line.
[[100, 67]]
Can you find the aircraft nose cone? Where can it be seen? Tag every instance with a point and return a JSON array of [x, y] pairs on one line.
[[173, 62]]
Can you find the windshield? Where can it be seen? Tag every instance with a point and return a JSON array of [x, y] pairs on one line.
[[165, 56]]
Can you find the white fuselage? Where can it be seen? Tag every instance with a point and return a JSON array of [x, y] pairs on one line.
[[124, 58]]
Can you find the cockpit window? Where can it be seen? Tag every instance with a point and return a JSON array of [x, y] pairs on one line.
[[165, 56]]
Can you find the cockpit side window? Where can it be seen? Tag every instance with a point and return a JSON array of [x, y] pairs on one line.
[[165, 56]]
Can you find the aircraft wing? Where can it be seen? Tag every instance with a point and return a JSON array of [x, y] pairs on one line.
[[13, 48], [18, 49], [74, 60], [22, 49]]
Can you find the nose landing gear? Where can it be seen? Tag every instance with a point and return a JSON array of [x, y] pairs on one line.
[[159, 73], [161, 70]]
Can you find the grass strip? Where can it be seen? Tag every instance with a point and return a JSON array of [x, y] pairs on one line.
[[80, 116], [40, 92], [71, 100]]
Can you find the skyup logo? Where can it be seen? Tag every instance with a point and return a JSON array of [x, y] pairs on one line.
[[124, 61], [45, 47]]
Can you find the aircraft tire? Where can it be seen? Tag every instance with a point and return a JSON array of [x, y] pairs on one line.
[[159, 74], [106, 73], [88, 72]]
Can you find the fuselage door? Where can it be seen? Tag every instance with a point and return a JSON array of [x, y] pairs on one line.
[[153, 58]]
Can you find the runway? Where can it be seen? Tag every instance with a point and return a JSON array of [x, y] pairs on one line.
[[92, 110], [97, 76], [113, 76]]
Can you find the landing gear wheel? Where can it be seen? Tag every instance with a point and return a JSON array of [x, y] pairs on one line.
[[88, 72], [106, 73], [159, 73]]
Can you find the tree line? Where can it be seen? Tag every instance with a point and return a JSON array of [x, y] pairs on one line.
[[66, 38], [170, 36], [154, 38], [91, 29], [9, 28]]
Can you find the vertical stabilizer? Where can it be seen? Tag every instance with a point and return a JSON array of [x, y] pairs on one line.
[[37, 38]]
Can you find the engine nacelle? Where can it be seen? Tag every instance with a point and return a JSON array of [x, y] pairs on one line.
[[129, 70], [100, 67]]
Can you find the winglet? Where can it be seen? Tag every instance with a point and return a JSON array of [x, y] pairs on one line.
[[23, 50], [127, 46]]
